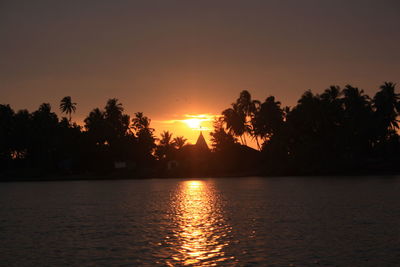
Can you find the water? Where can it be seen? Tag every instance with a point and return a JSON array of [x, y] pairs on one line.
[[204, 222]]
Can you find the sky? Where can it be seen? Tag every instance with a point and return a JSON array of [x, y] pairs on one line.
[[171, 59]]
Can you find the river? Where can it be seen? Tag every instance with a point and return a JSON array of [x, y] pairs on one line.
[[249, 221]]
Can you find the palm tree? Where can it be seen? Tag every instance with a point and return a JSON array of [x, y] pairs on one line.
[[95, 124], [235, 122], [220, 139], [113, 108], [165, 146], [144, 133], [118, 123], [6, 126], [355, 99], [67, 106], [246, 104], [141, 122], [387, 106], [179, 141], [249, 108], [166, 138], [331, 94], [268, 120], [237, 119], [358, 123]]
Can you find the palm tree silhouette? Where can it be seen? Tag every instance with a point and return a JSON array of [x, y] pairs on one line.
[[249, 107], [268, 119], [67, 106], [144, 133], [331, 94], [179, 142], [118, 123], [165, 146], [238, 118], [235, 122], [113, 108], [141, 122], [166, 138], [387, 106], [220, 139]]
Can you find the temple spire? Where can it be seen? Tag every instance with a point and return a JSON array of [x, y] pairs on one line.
[[201, 142]]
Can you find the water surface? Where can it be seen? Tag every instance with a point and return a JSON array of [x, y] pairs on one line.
[[321, 221]]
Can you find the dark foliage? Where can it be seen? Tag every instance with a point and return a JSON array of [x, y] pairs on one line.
[[337, 131]]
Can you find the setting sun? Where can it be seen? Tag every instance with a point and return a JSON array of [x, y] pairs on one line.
[[199, 121], [200, 133], [193, 123], [188, 125]]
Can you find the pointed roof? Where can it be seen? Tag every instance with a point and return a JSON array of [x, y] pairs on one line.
[[201, 142]]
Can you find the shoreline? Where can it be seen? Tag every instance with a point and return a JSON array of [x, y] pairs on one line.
[[120, 176]]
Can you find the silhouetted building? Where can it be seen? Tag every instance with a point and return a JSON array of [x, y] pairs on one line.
[[201, 143]]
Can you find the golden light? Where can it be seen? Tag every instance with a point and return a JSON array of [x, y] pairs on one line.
[[200, 236], [187, 125], [193, 123], [200, 122]]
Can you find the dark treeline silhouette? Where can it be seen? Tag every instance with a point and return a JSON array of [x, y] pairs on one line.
[[337, 131]]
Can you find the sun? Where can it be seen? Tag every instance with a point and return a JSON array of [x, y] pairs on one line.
[[198, 122], [193, 123]]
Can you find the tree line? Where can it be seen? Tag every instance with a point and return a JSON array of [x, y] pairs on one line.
[[339, 130], [40, 143]]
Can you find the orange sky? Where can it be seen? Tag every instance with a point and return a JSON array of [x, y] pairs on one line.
[[171, 58], [188, 125]]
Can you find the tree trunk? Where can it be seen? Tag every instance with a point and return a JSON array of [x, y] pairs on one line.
[[258, 144], [241, 139]]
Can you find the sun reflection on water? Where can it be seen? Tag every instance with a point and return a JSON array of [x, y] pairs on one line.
[[201, 230]]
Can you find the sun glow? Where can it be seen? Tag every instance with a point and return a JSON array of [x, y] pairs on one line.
[[187, 125], [201, 122], [193, 123]]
